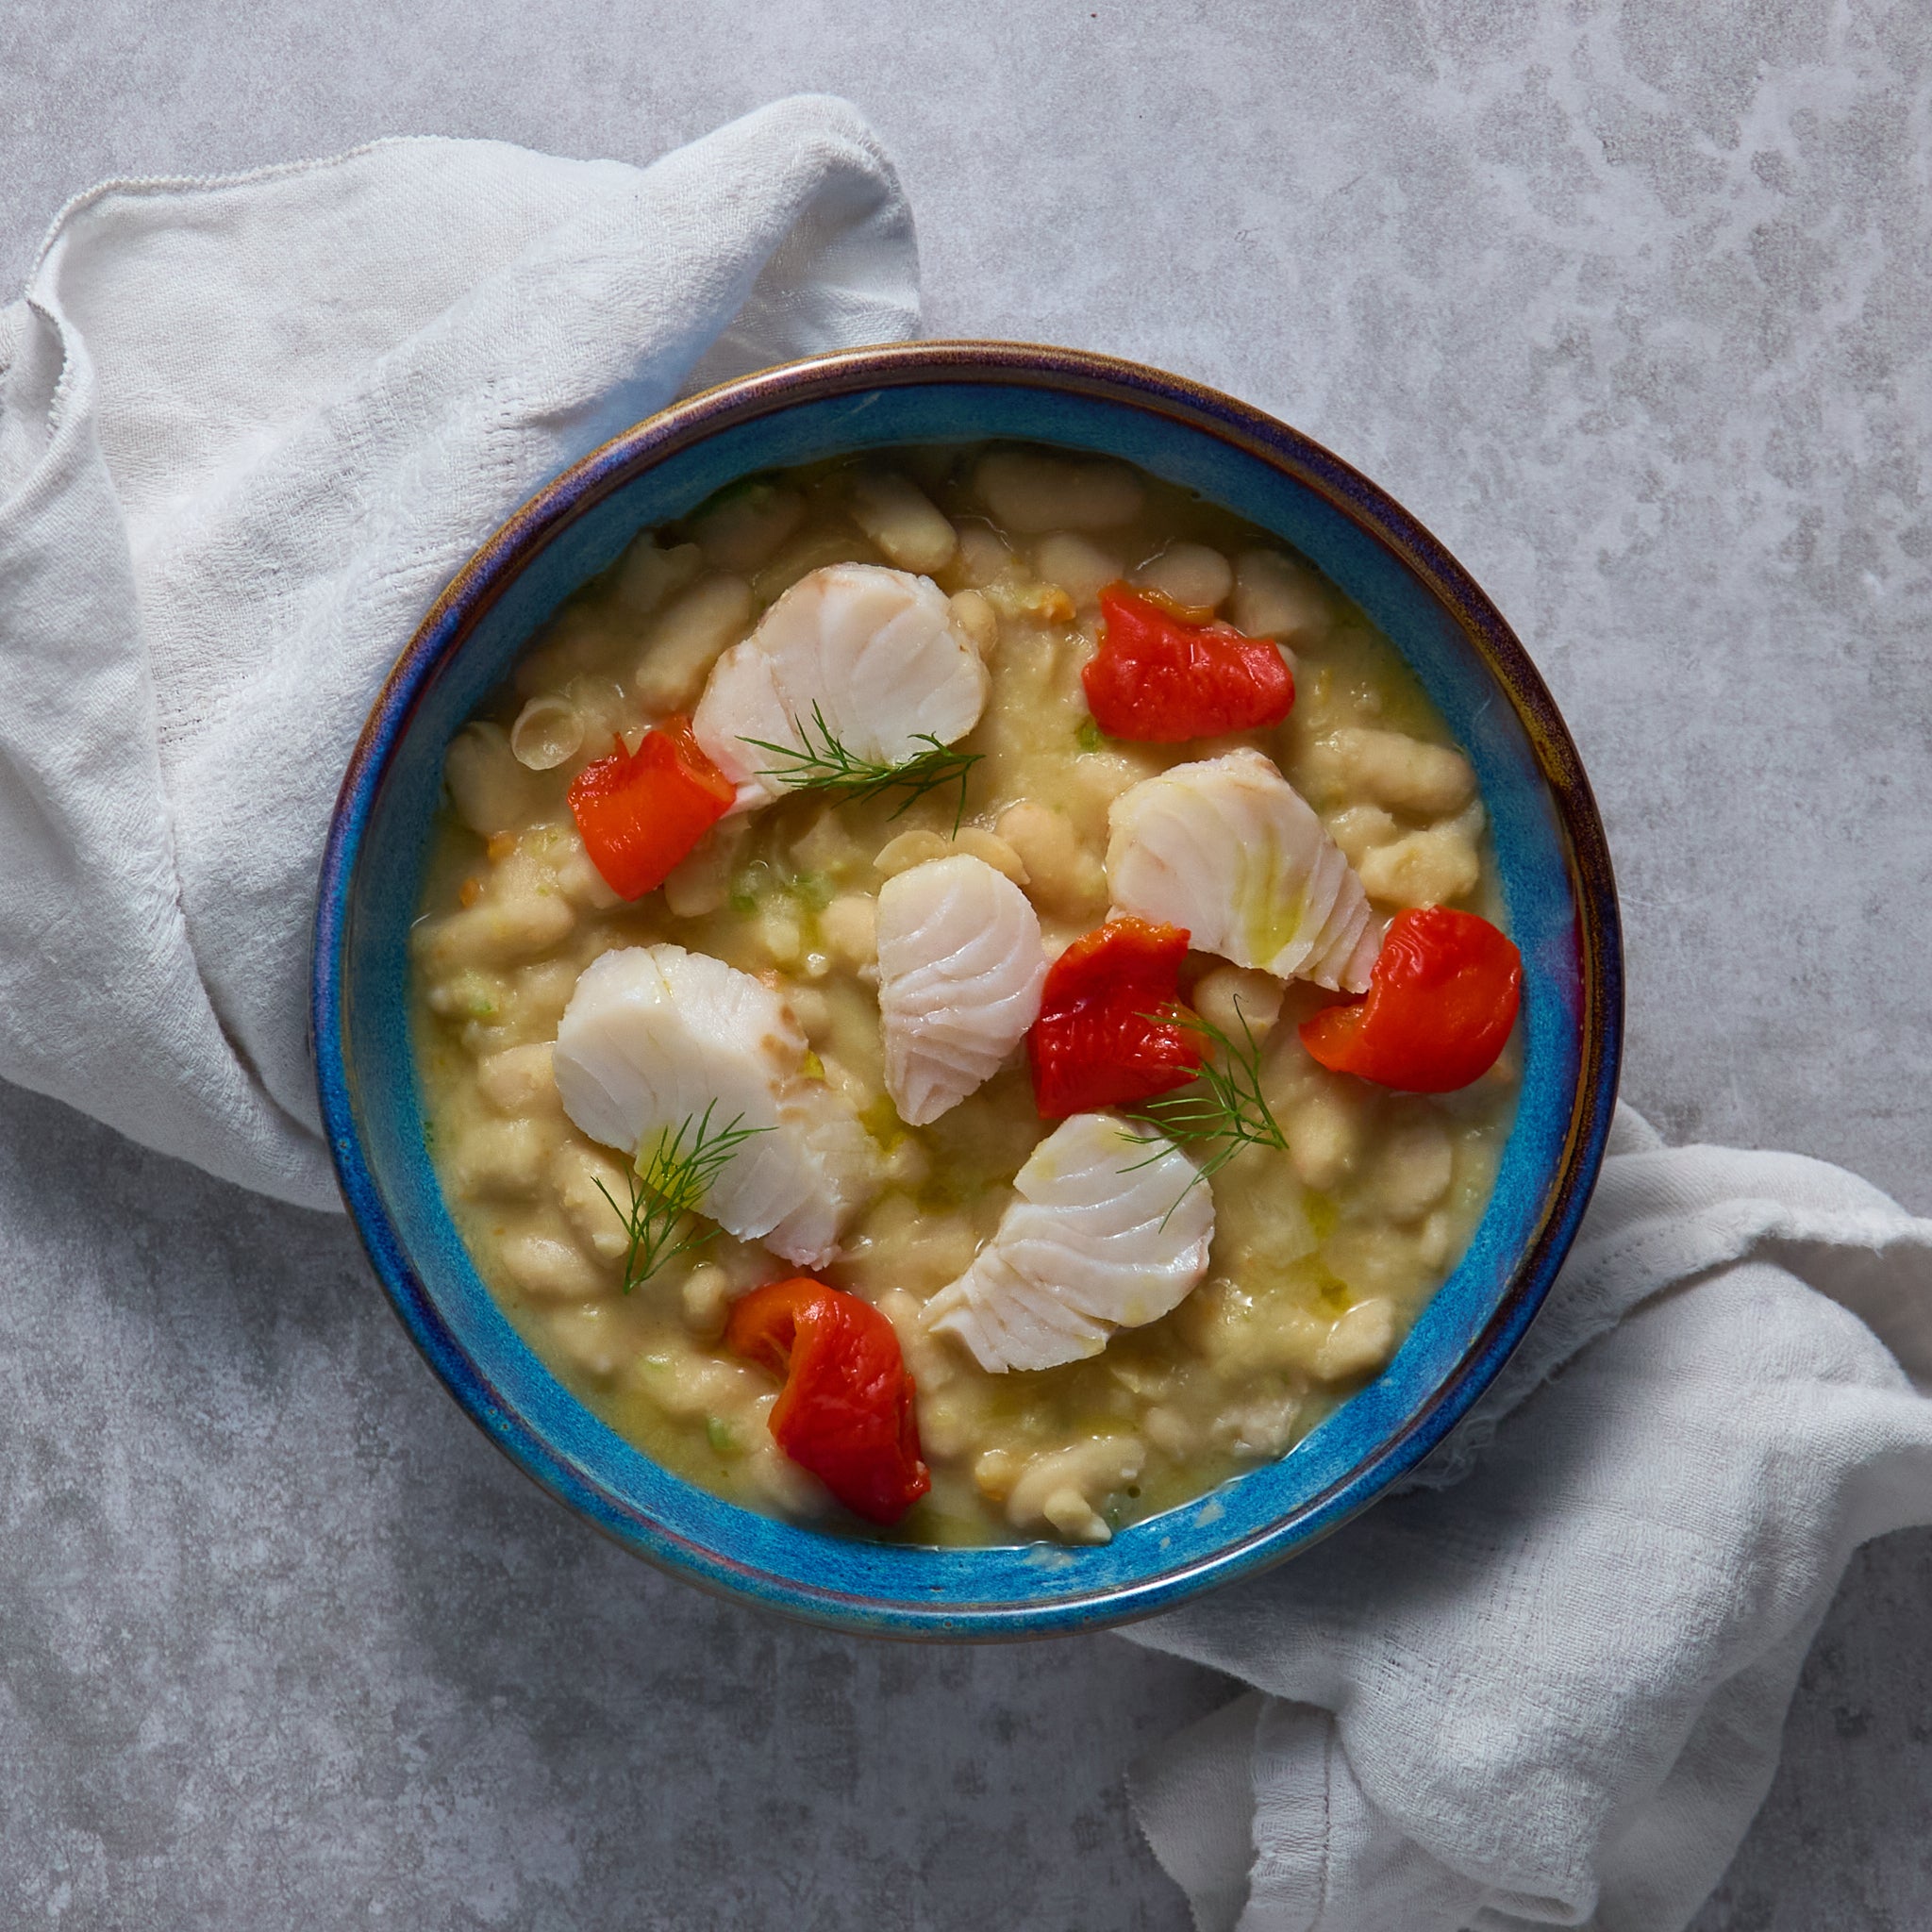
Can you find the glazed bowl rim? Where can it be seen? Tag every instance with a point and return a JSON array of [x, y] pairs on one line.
[[453, 619]]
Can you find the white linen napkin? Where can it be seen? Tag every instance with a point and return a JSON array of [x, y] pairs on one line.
[[248, 430], [1546, 1685]]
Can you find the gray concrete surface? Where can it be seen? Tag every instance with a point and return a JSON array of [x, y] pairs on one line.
[[1630, 303]]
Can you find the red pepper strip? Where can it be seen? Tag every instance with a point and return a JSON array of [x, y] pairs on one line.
[[1441, 1002], [1093, 1045], [1157, 680], [845, 1412], [641, 812]]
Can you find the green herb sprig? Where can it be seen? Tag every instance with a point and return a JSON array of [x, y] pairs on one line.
[[830, 765], [1222, 1110], [667, 1186]]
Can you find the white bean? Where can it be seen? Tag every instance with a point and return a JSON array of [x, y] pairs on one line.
[[899, 517], [1197, 577], [779, 931], [518, 1081], [606, 713], [1432, 868], [1169, 1431], [591, 1338], [547, 731], [1233, 998], [813, 549], [576, 637], [705, 1301], [550, 1269], [910, 849], [1412, 1169], [1275, 596], [850, 926], [1260, 1427], [588, 1186], [468, 995], [684, 1383], [1435, 1238], [647, 576], [1031, 492], [491, 790], [700, 882], [1065, 1486], [690, 636], [1324, 1138], [493, 932], [975, 615], [1358, 829], [1362, 1340], [1390, 769], [1375, 1260], [1080, 566], [1064, 878], [992, 850], [582, 884], [983, 554], [995, 1473], [541, 991], [742, 532], [794, 1492], [501, 1160], [947, 1422]]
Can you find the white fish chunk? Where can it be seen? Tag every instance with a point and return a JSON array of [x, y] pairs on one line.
[[1229, 849], [961, 969], [877, 653], [655, 1035], [1110, 1231]]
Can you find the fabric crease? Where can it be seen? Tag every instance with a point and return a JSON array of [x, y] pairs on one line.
[[249, 427]]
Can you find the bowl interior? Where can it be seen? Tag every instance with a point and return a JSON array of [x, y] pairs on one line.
[[370, 1093]]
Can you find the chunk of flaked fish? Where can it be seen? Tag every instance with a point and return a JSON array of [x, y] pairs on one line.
[[1229, 849], [655, 1035], [961, 969], [875, 654], [1110, 1231]]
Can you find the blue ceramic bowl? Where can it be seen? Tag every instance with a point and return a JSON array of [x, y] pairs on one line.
[[1555, 874]]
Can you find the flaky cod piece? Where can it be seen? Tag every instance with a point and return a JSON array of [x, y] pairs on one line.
[[1229, 849], [654, 1035], [873, 656], [1110, 1231], [961, 969]]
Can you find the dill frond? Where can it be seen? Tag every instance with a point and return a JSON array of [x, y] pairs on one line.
[[827, 764], [668, 1184], [1221, 1111]]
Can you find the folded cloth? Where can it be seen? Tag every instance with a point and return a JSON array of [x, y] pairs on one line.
[[1545, 1685], [248, 430]]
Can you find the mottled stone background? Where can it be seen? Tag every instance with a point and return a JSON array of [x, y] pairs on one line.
[[1631, 305]]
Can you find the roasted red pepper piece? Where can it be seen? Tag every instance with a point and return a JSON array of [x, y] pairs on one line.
[[1093, 1045], [1441, 1002], [845, 1412], [1158, 680], [640, 812]]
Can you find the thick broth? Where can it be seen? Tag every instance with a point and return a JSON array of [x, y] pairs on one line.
[[1323, 1255]]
